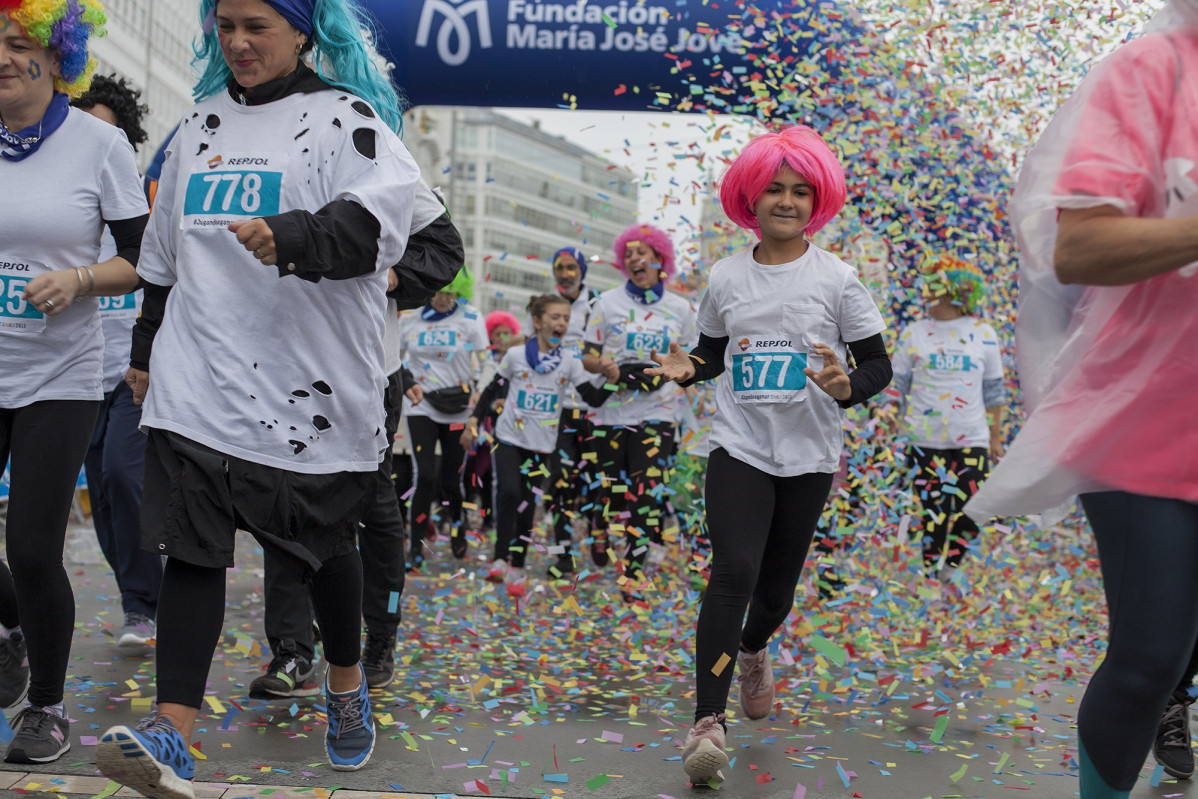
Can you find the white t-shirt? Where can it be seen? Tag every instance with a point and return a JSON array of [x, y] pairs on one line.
[[769, 415], [947, 362], [533, 406], [58, 197], [426, 211], [628, 330], [580, 312], [442, 353], [274, 370]]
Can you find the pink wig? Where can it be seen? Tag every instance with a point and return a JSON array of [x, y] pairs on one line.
[[657, 240], [497, 318], [798, 147]]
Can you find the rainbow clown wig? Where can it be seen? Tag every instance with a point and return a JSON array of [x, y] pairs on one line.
[[63, 26], [798, 147], [462, 285], [657, 240], [961, 281]]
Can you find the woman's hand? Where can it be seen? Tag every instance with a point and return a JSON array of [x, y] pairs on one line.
[[257, 238], [832, 379], [415, 394], [675, 365], [52, 292], [469, 434], [139, 381]]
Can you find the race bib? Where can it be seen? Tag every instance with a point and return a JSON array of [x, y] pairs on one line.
[[437, 339], [233, 189], [17, 316], [643, 341], [950, 363], [122, 307], [769, 376], [536, 402]]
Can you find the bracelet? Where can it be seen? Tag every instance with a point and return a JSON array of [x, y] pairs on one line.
[[79, 275], [91, 280]]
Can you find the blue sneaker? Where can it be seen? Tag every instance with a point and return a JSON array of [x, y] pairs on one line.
[[350, 737], [151, 759]]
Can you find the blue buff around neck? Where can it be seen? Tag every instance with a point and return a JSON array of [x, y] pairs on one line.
[[430, 314], [646, 296]]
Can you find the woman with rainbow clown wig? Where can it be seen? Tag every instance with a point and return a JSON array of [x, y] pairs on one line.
[[285, 198], [779, 318], [70, 176], [949, 379], [634, 435]]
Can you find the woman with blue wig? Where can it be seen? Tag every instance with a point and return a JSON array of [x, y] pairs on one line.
[[285, 197]]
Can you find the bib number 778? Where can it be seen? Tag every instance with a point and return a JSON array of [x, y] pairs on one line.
[[248, 185]]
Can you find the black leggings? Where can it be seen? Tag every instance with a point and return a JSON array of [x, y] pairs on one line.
[[46, 442], [517, 475], [575, 434], [946, 479], [1148, 548], [632, 496], [754, 519], [191, 612], [423, 436]]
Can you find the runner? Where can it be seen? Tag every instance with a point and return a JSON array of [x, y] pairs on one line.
[[443, 345], [116, 458], [949, 379], [68, 176], [1106, 210], [635, 430], [284, 199], [534, 379], [778, 318]]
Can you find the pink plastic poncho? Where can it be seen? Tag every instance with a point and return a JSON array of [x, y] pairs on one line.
[[1109, 374]]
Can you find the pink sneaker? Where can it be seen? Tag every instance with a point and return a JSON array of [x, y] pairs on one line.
[[498, 572], [703, 754], [756, 683], [517, 586]]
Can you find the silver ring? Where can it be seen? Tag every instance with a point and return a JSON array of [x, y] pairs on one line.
[[258, 254], [49, 304]]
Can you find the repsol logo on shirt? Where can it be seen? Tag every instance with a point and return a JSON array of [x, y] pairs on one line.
[[9, 266], [763, 343], [218, 161]]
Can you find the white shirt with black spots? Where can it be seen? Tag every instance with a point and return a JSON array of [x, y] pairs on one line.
[[948, 362], [628, 330], [769, 414], [275, 370]]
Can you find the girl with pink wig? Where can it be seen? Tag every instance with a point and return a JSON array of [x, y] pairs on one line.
[[780, 318], [634, 431]]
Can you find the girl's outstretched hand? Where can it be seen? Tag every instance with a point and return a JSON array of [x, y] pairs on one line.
[[832, 379], [675, 365]]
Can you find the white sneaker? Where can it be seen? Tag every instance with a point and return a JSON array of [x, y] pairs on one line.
[[703, 755], [138, 631], [498, 572]]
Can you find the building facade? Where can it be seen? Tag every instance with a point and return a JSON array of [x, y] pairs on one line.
[[518, 195]]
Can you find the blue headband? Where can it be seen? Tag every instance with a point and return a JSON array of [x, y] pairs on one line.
[[576, 254], [298, 12]]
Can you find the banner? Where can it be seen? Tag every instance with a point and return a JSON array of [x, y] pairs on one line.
[[590, 54]]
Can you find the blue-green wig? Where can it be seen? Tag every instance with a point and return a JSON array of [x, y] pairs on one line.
[[337, 50]]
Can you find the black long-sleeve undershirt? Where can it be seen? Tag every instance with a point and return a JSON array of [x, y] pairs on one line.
[[498, 387], [873, 372], [338, 242], [153, 308], [430, 262], [127, 234]]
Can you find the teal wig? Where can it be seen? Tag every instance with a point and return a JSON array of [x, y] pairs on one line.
[[340, 54]]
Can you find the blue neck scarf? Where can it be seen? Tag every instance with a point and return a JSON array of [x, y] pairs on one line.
[[646, 296], [543, 362], [297, 12], [19, 145], [430, 314]]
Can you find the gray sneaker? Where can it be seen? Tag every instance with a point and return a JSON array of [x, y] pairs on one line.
[[14, 671], [41, 737], [137, 633], [756, 683], [1172, 748]]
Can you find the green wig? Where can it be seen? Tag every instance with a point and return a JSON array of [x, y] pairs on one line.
[[462, 285]]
